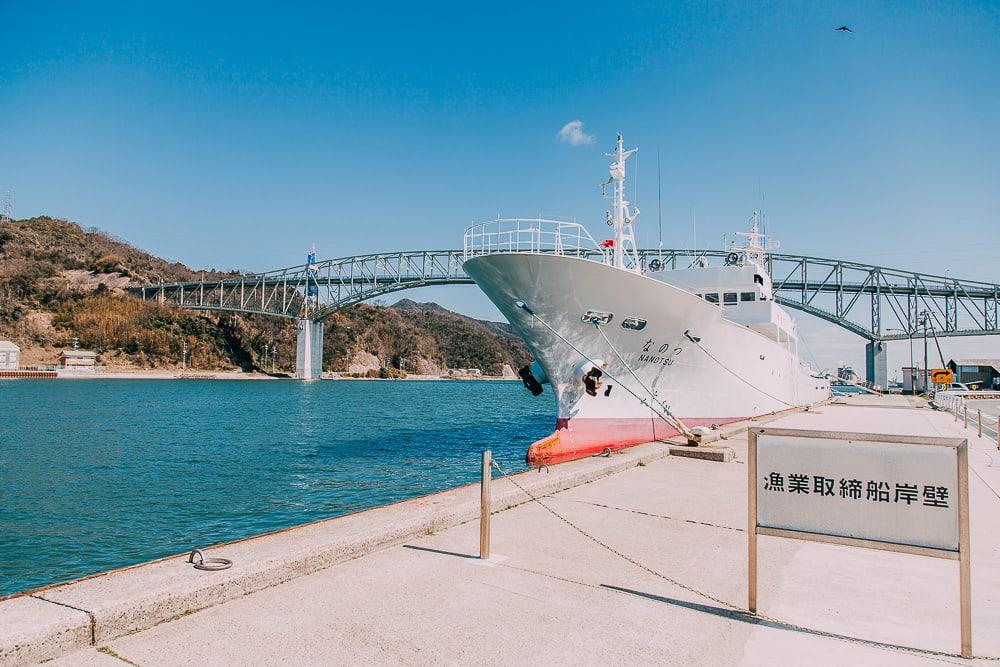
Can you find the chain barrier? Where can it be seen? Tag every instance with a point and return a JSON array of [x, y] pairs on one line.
[[758, 617], [610, 548]]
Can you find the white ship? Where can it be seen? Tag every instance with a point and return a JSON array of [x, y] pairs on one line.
[[638, 353]]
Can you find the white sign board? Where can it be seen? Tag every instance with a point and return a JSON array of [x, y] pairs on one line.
[[886, 491], [897, 493]]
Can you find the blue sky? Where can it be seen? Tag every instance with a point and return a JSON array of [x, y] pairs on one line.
[[232, 137]]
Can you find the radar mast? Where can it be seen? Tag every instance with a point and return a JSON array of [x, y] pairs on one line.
[[623, 253]]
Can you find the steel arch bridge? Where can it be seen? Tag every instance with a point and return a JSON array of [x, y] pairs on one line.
[[861, 298], [875, 302]]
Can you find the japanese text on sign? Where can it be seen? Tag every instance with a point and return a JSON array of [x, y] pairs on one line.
[[896, 492], [856, 489]]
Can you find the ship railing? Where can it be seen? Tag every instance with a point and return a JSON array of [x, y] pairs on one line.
[[525, 235]]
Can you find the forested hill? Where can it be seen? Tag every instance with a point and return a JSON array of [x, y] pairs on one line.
[[59, 281]]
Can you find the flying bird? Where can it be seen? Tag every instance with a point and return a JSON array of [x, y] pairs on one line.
[[843, 28]]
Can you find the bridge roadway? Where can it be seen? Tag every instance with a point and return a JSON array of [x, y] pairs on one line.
[[838, 291]]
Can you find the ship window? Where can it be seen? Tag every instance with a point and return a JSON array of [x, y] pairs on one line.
[[712, 297], [748, 296], [597, 317], [759, 279], [729, 298]]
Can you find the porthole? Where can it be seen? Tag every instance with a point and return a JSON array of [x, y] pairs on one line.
[[634, 323], [597, 317]]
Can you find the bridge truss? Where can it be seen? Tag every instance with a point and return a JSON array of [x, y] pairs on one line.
[[875, 302]]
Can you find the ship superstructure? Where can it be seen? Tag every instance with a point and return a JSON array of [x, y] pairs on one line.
[[636, 353]]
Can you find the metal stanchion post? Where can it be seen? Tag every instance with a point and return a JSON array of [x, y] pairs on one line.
[[965, 412], [979, 422], [484, 506]]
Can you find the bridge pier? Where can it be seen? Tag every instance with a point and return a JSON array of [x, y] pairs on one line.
[[308, 349], [876, 371]]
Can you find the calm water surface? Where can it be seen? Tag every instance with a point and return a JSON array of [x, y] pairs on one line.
[[98, 474]]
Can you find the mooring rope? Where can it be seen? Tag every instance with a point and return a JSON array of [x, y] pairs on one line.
[[669, 417], [741, 379], [673, 421]]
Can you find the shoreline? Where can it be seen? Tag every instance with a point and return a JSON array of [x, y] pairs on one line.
[[49, 621], [644, 500], [240, 375]]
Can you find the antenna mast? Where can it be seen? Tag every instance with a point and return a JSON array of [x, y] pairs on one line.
[[694, 218], [624, 252], [659, 202]]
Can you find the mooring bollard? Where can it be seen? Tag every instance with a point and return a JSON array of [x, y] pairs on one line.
[[484, 506], [979, 421]]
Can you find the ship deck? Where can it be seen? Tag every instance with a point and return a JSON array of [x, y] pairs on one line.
[[550, 593]]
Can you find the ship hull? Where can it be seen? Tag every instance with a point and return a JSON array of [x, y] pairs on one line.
[[705, 369]]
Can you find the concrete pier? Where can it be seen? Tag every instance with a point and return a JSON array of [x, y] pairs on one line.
[[649, 566], [876, 355], [308, 349]]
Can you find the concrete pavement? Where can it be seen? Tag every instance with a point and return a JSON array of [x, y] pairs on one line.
[[553, 594]]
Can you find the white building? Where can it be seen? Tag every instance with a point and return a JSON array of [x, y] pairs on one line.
[[10, 356], [78, 360]]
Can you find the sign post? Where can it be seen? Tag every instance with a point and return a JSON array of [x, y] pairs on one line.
[[906, 494], [484, 505]]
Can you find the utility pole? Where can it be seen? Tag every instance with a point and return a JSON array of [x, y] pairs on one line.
[[913, 372], [7, 211], [923, 316]]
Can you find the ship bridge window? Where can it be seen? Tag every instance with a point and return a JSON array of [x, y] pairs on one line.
[[712, 297], [729, 298], [748, 296]]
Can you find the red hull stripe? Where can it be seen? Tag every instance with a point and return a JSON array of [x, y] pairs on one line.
[[581, 437]]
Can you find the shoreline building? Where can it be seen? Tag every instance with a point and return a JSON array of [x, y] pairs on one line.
[[78, 361], [913, 380], [984, 373], [10, 356]]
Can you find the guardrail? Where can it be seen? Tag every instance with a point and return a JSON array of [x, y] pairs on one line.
[[537, 235], [958, 404]]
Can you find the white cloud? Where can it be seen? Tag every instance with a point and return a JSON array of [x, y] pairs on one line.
[[572, 133]]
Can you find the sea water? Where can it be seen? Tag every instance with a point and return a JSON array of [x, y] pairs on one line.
[[98, 474]]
